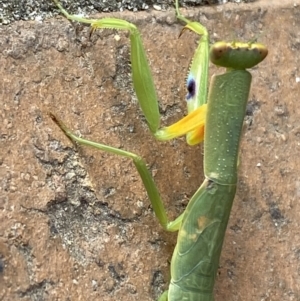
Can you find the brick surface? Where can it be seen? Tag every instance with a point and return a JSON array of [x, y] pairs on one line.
[[76, 224]]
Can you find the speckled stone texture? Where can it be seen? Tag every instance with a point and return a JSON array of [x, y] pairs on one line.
[[76, 224], [16, 10]]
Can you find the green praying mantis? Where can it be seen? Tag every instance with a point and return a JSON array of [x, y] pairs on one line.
[[215, 116]]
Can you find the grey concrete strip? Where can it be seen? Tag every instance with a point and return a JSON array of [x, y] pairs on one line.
[[15, 10]]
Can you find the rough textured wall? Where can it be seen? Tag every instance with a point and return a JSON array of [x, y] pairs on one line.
[[76, 224]]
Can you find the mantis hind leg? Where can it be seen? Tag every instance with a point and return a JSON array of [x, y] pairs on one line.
[[141, 167], [164, 296]]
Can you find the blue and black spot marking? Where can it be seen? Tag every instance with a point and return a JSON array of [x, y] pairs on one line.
[[191, 87]]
